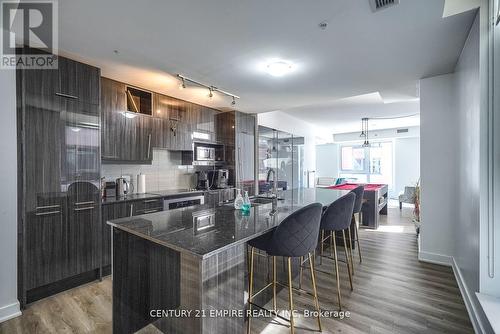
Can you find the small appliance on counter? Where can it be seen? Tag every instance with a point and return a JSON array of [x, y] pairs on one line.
[[218, 178], [110, 189], [122, 187], [201, 180]]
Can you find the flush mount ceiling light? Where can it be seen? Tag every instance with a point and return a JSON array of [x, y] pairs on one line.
[[279, 68]]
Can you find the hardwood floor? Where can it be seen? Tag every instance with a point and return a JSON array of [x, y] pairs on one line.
[[393, 293]]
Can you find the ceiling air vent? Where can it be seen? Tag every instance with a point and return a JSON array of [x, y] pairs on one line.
[[382, 4], [401, 130]]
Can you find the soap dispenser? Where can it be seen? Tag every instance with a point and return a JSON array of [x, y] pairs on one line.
[[238, 201], [246, 203]]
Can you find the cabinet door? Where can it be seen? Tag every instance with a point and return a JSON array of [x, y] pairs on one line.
[[45, 238], [78, 80], [83, 227], [43, 141], [110, 212], [140, 128], [81, 154], [114, 139], [88, 81]]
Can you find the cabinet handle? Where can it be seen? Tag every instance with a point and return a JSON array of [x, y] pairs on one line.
[[131, 210], [84, 203], [67, 96], [151, 211], [83, 209], [149, 145], [48, 207], [151, 200], [47, 213]]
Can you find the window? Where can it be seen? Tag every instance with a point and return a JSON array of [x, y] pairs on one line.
[[372, 164]]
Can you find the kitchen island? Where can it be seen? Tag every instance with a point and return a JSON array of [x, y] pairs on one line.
[[184, 270]]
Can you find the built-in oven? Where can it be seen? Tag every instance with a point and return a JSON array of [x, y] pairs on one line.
[[182, 202]]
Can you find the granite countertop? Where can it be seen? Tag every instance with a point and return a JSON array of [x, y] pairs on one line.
[[205, 230], [150, 195]]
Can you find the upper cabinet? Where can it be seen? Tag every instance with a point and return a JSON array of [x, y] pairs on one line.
[[134, 121], [72, 80], [126, 137]]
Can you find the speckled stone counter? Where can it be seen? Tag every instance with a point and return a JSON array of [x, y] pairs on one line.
[[192, 259]]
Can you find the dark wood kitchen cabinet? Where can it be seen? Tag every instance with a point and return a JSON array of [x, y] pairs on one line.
[[125, 137], [110, 212], [118, 210], [236, 130], [58, 130]]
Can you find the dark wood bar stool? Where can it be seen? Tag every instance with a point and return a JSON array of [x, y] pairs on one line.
[[337, 218], [295, 237]]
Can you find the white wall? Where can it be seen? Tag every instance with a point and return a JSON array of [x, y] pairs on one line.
[[327, 160], [9, 305], [406, 163], [453, 122], [438, 161]]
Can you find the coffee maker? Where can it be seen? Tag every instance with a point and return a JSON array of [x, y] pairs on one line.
[[201, 180], [218, 178]]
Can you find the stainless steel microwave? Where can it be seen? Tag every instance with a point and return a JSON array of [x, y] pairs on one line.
[[205, 153]]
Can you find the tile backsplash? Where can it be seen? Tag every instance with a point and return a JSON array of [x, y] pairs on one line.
[[165, 172]]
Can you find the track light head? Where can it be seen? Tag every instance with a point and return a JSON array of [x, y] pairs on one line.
[[183, 84], [233, 102], [210, 94]]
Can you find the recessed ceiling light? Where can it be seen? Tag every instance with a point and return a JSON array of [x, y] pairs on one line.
[[279, 68]]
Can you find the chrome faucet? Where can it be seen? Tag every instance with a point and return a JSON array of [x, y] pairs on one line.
[[275, 190]]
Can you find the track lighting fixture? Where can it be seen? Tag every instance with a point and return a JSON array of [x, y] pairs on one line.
[[211, 88]]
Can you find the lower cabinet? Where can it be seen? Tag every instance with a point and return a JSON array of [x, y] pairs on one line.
[[218, 196], [121, 210], [46, 255]]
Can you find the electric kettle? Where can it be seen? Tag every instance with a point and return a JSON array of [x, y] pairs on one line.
[[122, 187]]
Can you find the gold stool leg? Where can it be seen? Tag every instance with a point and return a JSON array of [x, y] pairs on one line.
[[316, 301], [301, 270], [332, 236], [350, 250], [321, 251], [290, 300], [250, 289], [357, 235], [274, 283], [347, 259], [337, 276]]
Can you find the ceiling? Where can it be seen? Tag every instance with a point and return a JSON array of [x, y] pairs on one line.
[[362, 64]]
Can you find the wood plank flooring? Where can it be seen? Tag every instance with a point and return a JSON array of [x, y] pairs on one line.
[[393, 293]]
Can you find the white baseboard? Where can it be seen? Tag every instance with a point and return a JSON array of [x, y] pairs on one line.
[[9, 311], [434, 258], [474, 315]]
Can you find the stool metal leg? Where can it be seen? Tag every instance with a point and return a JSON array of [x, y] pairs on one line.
[[274, 283], [290, 300], [250, 288], [337, 276], [322, 244], [332, 236], [351, 250], [357, 235], [347, 259], [301, 271], [313, 279]]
